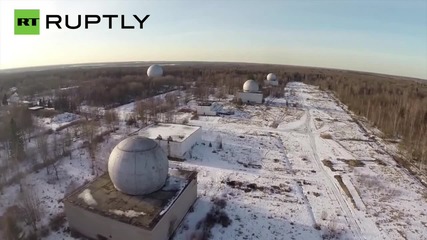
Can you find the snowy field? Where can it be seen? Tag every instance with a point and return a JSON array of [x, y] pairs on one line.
[[297, 196], [305, 172], [58, 121]]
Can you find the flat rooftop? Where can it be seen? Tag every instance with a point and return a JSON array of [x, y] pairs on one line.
[[101, 197], [178, 132], [35, 108]]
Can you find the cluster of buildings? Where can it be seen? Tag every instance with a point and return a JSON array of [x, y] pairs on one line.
[[251, 92], [141, 196]]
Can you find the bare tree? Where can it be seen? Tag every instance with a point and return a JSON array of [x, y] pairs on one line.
[[67, 142], [4, 137], [111, 118], [57, 152], [57, 149], [169, 116], [140, 110], [43, 149], [24, 120], [30, 205], [93, 149], [10, 228], [90, 130]]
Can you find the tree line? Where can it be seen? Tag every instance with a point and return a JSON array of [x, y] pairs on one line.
[[396, 107]]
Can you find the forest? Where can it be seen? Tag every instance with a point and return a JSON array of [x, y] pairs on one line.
[[394, 105]]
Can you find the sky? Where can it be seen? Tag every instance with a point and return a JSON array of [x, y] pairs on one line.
[[386, 36]]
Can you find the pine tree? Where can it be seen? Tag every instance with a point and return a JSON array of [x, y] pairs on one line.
[[49, 103], [4, 101], [16, 142]]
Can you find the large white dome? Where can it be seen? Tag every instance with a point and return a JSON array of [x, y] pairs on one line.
[[250, 86], [271, 77], [137, 166], [155, 71]]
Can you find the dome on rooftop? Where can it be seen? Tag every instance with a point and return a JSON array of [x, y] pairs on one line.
[[271, 77], [155, 71], [138, 166], [250, 86]]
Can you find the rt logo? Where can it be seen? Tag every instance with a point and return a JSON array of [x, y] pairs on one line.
[[27, 22]]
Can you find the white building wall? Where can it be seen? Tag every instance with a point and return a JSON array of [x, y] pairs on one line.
[[174, 216], [271, 83], [250, 97], [178, 149], [90, 224], [191, 140], [173, 150], [205, 110]]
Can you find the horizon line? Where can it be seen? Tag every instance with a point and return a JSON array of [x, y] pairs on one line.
[[52, 67]]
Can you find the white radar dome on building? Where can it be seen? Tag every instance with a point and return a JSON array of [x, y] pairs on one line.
[[138, 166], [271, 77], [155, 71], [250, 86]]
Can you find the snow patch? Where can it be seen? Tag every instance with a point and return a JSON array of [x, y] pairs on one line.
[[87, 197], [128, 213]]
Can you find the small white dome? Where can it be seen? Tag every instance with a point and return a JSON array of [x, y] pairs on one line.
[[138, 166], [271, 77], [250, 86], [155, 71]]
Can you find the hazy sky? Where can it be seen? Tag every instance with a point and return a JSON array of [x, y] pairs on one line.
[[378, 36]]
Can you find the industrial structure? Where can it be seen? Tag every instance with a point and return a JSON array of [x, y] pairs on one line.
[[155, 71], [140, 198], [251, 92], [208, 108], [175, 139], [271, 80]]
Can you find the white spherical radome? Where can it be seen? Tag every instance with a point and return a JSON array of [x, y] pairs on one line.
[[271, 77], [155, 71], [138, 166], [250, 86]]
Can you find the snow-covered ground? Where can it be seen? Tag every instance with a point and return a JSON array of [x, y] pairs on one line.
[[58, 121], [125, 111], [284, 173], [375, 201]]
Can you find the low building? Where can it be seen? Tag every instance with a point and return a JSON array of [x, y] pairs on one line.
[[140, 198], [271, 80], [175, 139], [251, 93], [35, 108], [208, 108]]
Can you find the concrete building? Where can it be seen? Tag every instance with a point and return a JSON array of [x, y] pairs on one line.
[[208, 108], [271, 80], [251, 93], [175, 139], [122, 204]]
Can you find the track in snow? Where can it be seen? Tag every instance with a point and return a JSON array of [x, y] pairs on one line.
[[349, 216]]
